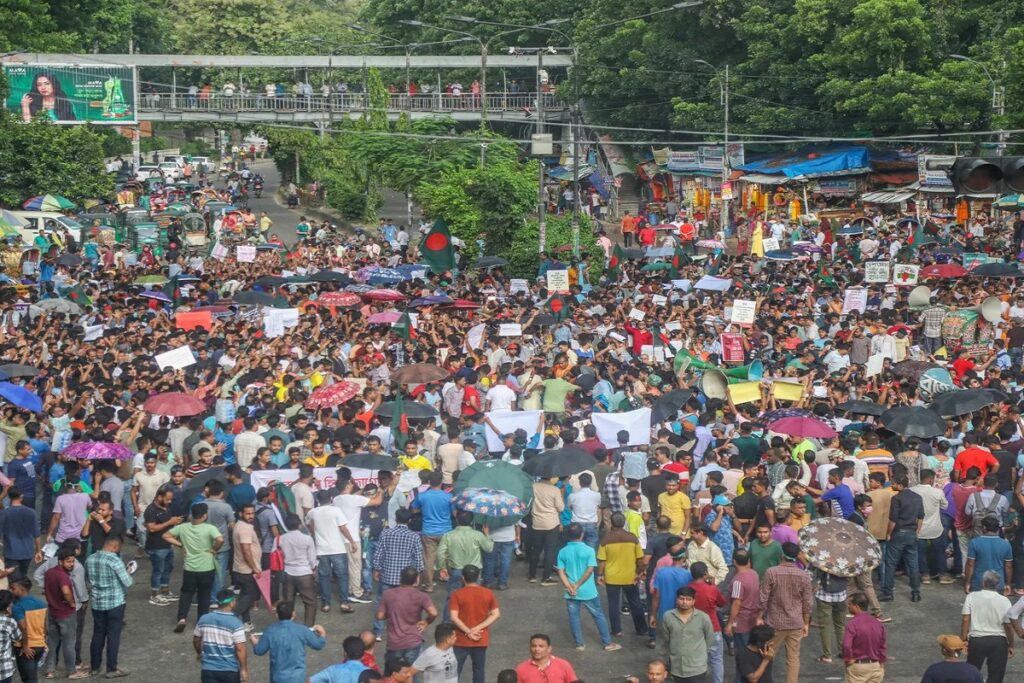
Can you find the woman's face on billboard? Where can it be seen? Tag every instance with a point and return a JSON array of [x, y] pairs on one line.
[[44, 86]]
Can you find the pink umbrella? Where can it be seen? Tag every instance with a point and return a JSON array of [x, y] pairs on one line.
[[339, 299], [384, 318], [98, 450], [802, 426], [333, 395], [383, 295], [173, 404]]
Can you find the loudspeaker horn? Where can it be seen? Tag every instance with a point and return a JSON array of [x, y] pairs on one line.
[[748, 373], [920, 296], [991, 309], [714, 384]]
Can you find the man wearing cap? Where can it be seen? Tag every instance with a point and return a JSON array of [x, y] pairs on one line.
[[951, 669], [219, 641]]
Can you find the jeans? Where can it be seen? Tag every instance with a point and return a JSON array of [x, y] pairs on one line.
[[28, 667], [949, 532], [126, 506], [931, 556], [739, 642], [902, 546], [883, 546], [219, 676], [379, 624], [106, 630], [249, 594], [545, 541], [20, 567], [337, 566], [163, 565], [594, 607], [196, 584], [369, 548], [409, 654], [716, 660], [478, 655], [60, 639], [636, 608], [991, 649], [222, 572], [497, 564], [590, 535], [454, 584], [305, 587]]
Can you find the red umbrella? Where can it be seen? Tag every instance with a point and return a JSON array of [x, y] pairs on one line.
[[802, 426], [339, 299], [942, 271], [332, 395], [173, 404], [383, 295], [463, 303]]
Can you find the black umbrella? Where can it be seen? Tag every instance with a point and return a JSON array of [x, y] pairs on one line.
[[634, 253], [413, 410], [923, 423], [861, 407], [253, 299], [996, 270], [330, 276], [667, 407], [271, 281], [562, 462], [18, 370], [912, 369], [586, 380], [966, 401], [370, 461], [541, 319], [69, 260], [490, 262]]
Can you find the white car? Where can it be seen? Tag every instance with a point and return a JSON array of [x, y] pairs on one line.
[[145, 172], [204, 164], [172, 172]]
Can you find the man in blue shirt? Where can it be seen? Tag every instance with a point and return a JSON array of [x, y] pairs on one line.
[[988, 552], [22, 472], [219, 640], [19, 530], [436, 506], [576, 564], [840, 497], [286, 642], [349, 670]]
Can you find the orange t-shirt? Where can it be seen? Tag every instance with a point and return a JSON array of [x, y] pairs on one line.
[[473, 603], [628, 224]]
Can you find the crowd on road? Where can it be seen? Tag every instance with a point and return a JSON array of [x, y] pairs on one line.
[[716, 450]]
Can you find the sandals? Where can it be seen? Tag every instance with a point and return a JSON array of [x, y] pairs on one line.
[[823, 660], [78, 675], [345, 609]]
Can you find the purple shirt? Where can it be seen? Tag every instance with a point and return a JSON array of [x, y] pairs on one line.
[[864, 639], [73, 509], [784, 533]]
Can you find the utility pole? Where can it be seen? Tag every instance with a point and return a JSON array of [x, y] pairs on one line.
[[542, 206], [726, 171]]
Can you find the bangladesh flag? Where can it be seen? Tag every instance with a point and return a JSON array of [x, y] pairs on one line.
[[403, 327], [559, 307], [78, 295], [437, 248], [399, 423], [615, 262], [825, 276], [173, 291], [679, 259]]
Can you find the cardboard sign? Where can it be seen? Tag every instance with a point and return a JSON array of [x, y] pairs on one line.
[[518, 284], [732, 348], [874, 366], [743, 311], [558, 280], [904, 274], [219, 251], [770, 244], [510, 330], [192, 319], [876, 271], [176, 359], [659, 300], [636, 314], [245, 253], [745, 392], [855, 299], [787, 391]]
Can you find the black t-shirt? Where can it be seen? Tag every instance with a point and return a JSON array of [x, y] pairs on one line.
[[98, 535], [156, 515], [653, 486], [1007, 465], [658, 547], [748, 661], [745, 505], [951, 672], [761, 510]]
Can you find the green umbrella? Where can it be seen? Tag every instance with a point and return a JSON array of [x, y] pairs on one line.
[[12, 219], [652, 267], [496, 474], [8, 230], [150, 280], [1010, 202]]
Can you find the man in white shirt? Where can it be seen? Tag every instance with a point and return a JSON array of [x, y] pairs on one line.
[[934, 501], [838, 359], [500, 397], [585, 504], [248, 443], [351, 505], [329, 528]]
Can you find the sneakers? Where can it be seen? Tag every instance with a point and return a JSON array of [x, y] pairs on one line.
[[163, 599], [180, 626], [613, 647], [946, 579], [883, 618], [581, 648], [248, 627], [548, 582], [158, 601], [168, 595], [360, 600], [926, 579]]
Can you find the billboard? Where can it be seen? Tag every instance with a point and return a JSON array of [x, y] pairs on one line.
[[72, 93]]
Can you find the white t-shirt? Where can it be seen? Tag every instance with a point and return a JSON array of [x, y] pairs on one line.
[[326, 535], [987, 610], [584, 505], [351, 506], [500, 397], [303, 495]]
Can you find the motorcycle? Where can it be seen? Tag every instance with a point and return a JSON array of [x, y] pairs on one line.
[[257, 187]]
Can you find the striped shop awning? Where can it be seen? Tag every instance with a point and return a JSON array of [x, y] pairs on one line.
[[886, 197]]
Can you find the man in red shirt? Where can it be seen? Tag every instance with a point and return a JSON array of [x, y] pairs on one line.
[[542, 666], [709, 599], [974, 455], [641, 338], [60, 600], [473, 610]]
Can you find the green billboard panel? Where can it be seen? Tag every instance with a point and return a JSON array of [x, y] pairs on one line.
[[72, 93]]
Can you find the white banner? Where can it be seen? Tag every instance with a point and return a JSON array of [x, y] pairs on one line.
[[876, 271], [277, 320], [743, 311], [636, 422], [508, 421], [855, 299], [177, 359], [326, 477]]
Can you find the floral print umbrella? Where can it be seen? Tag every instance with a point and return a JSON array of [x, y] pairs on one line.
[[97, 450], [492, 507], [839, 547]]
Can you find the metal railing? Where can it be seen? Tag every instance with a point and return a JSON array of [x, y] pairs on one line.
[[346, 102]]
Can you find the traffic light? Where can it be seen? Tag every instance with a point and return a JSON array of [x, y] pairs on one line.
[[988, 175]]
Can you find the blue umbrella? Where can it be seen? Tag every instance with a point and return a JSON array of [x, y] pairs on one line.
[[659, 252], [383, 276], [780, 255], [852, 230], [358, 288], [491, 506], [21, 397], [409, 270], [433, 300]]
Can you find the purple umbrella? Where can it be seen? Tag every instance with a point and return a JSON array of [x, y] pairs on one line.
[[155, 294], [97, 450]]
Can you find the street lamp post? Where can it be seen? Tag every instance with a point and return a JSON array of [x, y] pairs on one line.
[[726, 171], [998, 98]]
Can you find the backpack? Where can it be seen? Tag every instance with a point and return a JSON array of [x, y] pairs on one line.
[[981, 513]]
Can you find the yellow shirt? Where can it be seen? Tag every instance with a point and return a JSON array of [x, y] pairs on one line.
[[619, 550], [677, 508], [316, 462], [418, 462]]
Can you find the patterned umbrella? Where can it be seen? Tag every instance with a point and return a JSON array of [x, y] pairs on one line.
[[48, 202], [803, 426], [781, 413], [912, 369], [97, 450], [339, 299], [174, 404], [384, 318], [839, 547], [495, 474], [781, 255], [11, 219], [497, 508], [332, 395], [383, 295]]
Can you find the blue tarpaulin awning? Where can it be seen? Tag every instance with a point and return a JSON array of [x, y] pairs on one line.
[[814, 164]]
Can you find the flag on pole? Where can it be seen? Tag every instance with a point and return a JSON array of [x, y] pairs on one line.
[[399, 423], [825, 276], [558, 306], [437, 248], [615, 262], [403, 327]]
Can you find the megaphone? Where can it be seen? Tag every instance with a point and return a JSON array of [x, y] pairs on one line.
[[991, 309], [920, 297], [715, 384], [695, 363], [748, 373]]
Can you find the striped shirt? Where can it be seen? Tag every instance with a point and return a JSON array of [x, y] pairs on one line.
[[397, 548], [786, 597], [108, 580], [220, 632], [9, 634]]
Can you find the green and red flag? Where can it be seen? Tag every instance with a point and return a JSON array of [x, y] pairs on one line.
[[78, 295], [615, 262], [825, 276], [437, 248], [403, 327], [399, 423], [558, 306], [679, 259], [173, 291]]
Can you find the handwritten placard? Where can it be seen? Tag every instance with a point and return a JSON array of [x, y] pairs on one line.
[[518, 284], [876, 271], [558, 280], [245, 253], [770, 244], [510, 330], [743, 311], [855, 299], [732, 348]]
